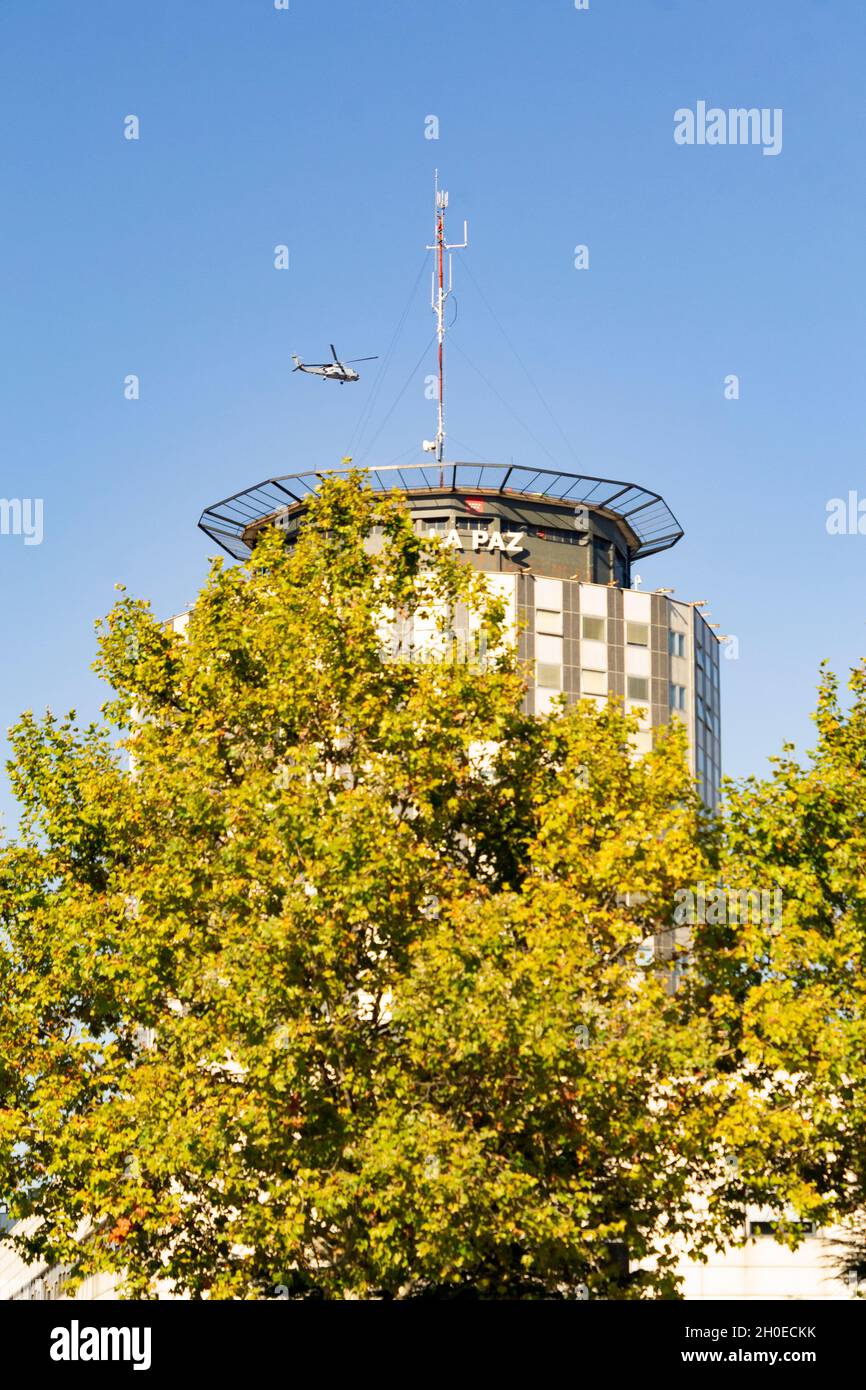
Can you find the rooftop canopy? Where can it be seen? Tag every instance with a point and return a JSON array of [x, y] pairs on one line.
[[645, 516]]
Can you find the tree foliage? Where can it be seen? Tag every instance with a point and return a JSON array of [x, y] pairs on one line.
[[790, 987], [338, 991]]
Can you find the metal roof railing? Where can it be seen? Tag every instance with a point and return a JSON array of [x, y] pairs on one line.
[[644, 514]]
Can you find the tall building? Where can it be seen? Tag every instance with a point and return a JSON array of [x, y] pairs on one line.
[[560, 549]]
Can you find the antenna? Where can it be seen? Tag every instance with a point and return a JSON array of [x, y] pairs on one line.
[[438, 298]]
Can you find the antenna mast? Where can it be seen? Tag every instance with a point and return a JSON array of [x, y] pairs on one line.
[[438, 298]]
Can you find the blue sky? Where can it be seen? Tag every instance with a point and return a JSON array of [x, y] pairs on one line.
[[260, 127]]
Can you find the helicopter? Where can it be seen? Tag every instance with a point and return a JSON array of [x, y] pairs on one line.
[[331, 371]]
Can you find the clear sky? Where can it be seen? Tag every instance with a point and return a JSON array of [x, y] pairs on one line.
[[306, 127]]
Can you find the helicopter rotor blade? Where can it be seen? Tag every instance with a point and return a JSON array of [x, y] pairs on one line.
[[334, 351], [361, 359]]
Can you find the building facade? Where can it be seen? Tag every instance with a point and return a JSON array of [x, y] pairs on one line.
[[560, 550]]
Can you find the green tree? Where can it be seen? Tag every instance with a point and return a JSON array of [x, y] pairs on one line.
[[338, 991], [788, 985]]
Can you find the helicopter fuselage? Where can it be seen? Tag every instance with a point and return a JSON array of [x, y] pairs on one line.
[[332, 373]]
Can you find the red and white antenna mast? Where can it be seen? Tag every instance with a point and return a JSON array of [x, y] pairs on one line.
[[439, 296]]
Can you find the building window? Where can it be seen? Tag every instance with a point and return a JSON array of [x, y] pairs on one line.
[[593, 682], [769, 1228], [637, 688], [678, 696], [677, 643], [548, 622], [592, 628], [548, 675], [548, 650], [548, 594], [637, 634]]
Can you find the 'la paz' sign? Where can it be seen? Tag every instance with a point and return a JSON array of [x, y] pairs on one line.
[[509, 542]]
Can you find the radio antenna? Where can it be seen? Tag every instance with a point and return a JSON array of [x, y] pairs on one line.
[[439, 295]]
